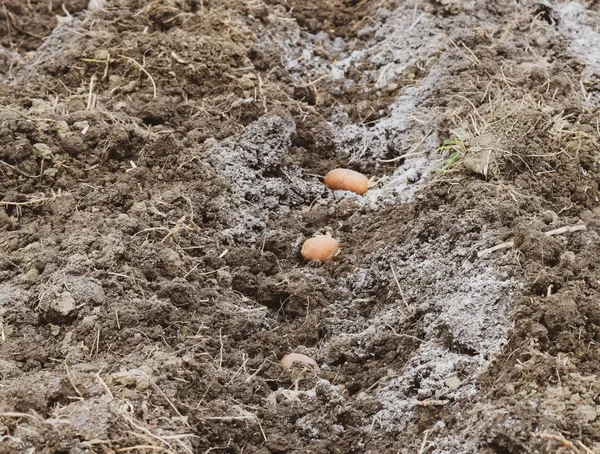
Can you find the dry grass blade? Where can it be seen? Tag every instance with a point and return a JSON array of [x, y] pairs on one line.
[[16, 169], [424, 443], [141, 447], [399, 287], [148, 436], [172, 405], [563, 441], [9, 414], [249, 417], [144, 71], [31, 202], [510, 244], [71, 379]]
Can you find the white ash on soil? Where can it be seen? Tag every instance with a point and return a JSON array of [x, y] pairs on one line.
[[466, 303]]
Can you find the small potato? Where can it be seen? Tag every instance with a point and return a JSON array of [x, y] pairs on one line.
[[347, 180], [320, 247], [290, 359]]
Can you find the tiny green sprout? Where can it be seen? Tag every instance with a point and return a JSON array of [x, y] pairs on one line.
[[449, 144], [449, 162], [454, 145]]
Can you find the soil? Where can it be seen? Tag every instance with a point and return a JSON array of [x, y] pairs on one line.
[[161, 164]]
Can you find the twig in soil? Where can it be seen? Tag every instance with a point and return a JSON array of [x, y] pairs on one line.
[[227, 418], [19, 415], [376, 418], [381, 75], [412, 151], [403, 335], [239, 371], [16, 169], [314, 81], [416, 21], [237, 418], [183, 419], [218, 448], [221, 349], [178, 59], [179, 224], [66, 11], [31, 202], [29, 118], [566, 443], [192, 270], [175, 229], [567, 229], [4, 257], [587, 450], [424, 442], [152, 229], [103, 384], [431, 402], [406, 155], [91, 100], [498, 247], [261, 429], [122, 275], [96, 345], [250, 377], [145, 72], [262, 92], [139, 447], [162, 439], [145, 434], [472, 58], [510, 244], [399, 287], [190, 347], [106, 63], [69, 376], [208, 388]]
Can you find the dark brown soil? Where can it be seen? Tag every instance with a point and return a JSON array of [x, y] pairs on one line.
[[24, 25], [160, 167]]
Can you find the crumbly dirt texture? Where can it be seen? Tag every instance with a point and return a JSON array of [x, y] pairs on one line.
[[161, 164]]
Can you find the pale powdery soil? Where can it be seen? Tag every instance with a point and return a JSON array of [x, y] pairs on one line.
[[466, 304]]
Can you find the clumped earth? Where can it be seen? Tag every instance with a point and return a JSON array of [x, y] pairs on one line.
[[161, 164]]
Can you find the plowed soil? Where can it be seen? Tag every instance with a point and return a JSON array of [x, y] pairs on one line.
[[161, 164]]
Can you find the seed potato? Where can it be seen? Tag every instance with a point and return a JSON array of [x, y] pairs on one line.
[[347, 180], [320, 248]]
